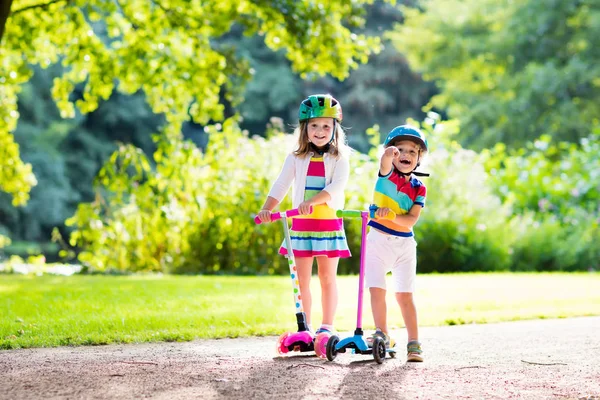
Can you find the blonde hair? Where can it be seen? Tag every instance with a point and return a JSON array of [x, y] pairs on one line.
[[337, 148]]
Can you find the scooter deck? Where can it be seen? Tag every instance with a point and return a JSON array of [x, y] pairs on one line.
[[359, 345]]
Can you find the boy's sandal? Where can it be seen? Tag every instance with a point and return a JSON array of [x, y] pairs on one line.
[[414, 351]]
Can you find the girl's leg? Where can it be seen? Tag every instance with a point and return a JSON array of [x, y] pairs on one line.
[[327, 268], [304, 266], [409, 313], [379, 308]]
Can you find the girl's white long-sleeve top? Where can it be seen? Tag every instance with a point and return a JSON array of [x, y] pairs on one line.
[[337, 171]]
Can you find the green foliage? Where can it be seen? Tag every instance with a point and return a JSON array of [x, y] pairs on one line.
[[546, 176], [463, 226], [552, 189], [509, 71], [67, 154], [238, 172], [191, 213], [543, 243], [4, 241], [26, 249], [166, 50]]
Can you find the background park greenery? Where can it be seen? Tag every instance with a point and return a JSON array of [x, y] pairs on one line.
[[143, 135]]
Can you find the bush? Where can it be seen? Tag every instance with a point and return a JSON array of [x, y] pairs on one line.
[[463, 226], [544, 243], [190, 212]]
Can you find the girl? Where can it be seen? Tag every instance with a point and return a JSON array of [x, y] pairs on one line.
[[319, 169]]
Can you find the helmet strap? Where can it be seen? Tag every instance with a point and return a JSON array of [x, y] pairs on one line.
[[320, 150], [413, 172], [333, 131]]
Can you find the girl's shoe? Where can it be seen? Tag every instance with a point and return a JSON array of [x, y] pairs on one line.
[[414, 351], [326, 330]]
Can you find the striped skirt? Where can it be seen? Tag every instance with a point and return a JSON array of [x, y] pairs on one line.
[[317, 237]]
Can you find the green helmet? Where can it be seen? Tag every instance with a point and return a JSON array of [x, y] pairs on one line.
[[320, 105], [407, 132]]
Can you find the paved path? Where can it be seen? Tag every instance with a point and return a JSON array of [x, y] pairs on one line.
[[542, 359]]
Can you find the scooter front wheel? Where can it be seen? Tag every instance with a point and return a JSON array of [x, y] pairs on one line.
[[379, 350], [331, 347]]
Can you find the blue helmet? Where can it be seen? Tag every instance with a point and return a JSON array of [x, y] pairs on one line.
[[407, 132]]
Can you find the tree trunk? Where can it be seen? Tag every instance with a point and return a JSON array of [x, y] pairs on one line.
[[4, 11]]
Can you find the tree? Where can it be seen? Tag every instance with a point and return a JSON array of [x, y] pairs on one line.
[[66, 154], [385, 91], [167, 49], [509, 71]]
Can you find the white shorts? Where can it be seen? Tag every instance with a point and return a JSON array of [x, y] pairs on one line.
[[387, 253]]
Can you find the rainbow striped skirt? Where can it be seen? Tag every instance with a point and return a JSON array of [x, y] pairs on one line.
[[318, 234]]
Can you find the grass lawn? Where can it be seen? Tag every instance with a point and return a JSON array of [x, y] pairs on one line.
[[84, 310]]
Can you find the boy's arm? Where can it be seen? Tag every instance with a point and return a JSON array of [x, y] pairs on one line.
[[385, 165], [409, 219]]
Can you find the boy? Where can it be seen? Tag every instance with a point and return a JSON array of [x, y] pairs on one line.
[[390, 243]]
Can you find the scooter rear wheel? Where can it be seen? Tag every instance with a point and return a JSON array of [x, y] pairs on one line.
[[321, 344], [280, 348]]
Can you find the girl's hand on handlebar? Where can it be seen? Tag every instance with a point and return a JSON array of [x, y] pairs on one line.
[[264, 215], [305, 208]]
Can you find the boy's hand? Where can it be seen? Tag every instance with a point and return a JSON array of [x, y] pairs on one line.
[[382, 212], [305, 208], [264, 216], [391, 152]]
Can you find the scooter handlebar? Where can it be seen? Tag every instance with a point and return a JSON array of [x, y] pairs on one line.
[[357, 214], [348, 213], [278, 215]]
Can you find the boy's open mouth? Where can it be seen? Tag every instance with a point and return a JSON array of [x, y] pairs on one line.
[[405, 162]]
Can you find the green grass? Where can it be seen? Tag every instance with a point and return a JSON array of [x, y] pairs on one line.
[[89, 310]]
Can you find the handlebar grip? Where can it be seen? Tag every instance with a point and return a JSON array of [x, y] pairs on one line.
[[348, 213], [277, 215]]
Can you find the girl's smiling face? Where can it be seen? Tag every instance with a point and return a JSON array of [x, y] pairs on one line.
[[320, 131], [408, 156]]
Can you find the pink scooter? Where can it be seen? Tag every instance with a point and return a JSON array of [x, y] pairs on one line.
[[303, 340]]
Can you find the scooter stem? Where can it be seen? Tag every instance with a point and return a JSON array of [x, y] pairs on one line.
[[361, 276]]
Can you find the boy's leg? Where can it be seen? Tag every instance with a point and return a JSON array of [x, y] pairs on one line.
[[327, 269], [376, 262], [379, 308], [304, 266], [404, 274], [409, 314]]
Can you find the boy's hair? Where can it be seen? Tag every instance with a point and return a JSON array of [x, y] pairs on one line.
[[337, 147]]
